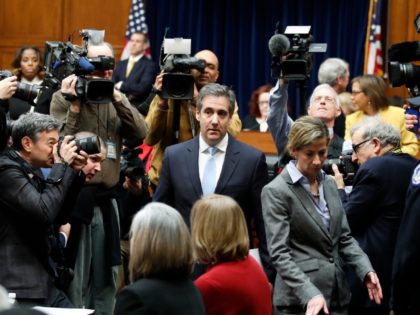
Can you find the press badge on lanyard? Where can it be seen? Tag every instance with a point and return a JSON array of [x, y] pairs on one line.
[[111, 152]]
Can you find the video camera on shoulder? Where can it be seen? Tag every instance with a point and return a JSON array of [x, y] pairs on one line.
[[176, 63], [345, 166], [63, 59]]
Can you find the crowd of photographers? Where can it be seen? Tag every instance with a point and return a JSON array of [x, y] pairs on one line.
[[74, 173]]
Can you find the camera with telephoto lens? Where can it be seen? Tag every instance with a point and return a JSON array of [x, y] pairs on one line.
[[91, 145], [63, 59], [24, 91], [401, 72], [176, 63], [345, 166], [131, 165]]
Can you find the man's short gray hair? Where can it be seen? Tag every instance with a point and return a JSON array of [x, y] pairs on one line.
[[331, 69], [387, 134], [31, 125], [327, 87], [215, 89]]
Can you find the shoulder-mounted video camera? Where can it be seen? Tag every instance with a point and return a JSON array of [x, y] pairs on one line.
[[297, 46], [63, 59], [176, 63], [400, 71]]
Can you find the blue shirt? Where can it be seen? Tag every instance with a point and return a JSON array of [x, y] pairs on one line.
[[320, 207]]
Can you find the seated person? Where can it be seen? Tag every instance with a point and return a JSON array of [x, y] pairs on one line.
[[234, 282], [258, 109], [160, 264]]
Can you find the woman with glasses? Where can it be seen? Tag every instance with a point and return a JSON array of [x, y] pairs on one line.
[[370, 101], [258, 110], [307, 231]]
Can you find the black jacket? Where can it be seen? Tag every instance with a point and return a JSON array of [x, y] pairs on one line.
[[29, 206]]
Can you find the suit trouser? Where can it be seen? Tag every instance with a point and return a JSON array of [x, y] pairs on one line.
[[94, 282]]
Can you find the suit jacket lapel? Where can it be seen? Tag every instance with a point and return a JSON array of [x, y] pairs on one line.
[[332, 204], [191, 164], [230, 163], [306, 201]]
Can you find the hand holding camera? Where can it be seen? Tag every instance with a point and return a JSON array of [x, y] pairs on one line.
[[8, 87], [65, 150]]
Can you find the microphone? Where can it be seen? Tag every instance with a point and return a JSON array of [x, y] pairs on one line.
[[278, 44], [85, 65]]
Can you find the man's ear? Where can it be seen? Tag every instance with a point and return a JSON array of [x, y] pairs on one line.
[[26, 144], [376, 146], [338, 111], [197, 115]]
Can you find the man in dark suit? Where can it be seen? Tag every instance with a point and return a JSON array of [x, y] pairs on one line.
[[30, 204], [135, 76], [190, 170], [375, 205]]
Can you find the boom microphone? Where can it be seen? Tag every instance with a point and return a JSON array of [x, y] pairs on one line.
[[278, 44]]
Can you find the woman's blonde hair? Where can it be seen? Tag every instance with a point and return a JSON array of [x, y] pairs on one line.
[[306, 130], [160, 244], [219, 230]]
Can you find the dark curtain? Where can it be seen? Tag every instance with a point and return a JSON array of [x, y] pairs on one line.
[[239, 31]]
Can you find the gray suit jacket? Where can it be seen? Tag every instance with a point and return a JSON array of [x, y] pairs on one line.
[[306, 255]]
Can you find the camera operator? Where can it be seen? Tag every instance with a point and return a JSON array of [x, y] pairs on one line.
[[30, 204], [160, 116], [324, 104], [375, 205], [111, 121]]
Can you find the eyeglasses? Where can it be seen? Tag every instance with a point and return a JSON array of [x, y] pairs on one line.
[[354, 93], [356, 147], [262, 102], [326, 98]]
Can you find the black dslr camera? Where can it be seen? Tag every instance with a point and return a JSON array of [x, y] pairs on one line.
[[24, 91], [63, 59], [91, 145], [131, 165], [345, 166], [401, 73], [176, 63]]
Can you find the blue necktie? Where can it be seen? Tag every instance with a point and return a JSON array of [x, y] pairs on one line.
[[208, 183]]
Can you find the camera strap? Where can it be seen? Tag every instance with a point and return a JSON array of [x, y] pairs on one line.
[[192, 119]]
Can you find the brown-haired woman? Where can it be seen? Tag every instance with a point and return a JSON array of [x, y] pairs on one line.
[[370, 101], [258, 109], [234, 282], [161, 261]]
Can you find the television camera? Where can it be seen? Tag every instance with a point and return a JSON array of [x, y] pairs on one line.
[[176, 63], [63, 59], [401, 72]]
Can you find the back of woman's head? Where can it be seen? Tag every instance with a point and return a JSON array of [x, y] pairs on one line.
[[160, 244], [219, 230], [305, 130], [375, 88]]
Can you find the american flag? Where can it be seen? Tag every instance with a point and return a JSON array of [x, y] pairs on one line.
[[373, 50], [136, 23]]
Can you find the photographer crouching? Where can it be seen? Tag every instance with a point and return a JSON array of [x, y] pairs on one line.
[[375, 205], [30, 204]]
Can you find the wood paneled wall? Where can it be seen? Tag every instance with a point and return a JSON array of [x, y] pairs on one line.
[[33, 22]]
